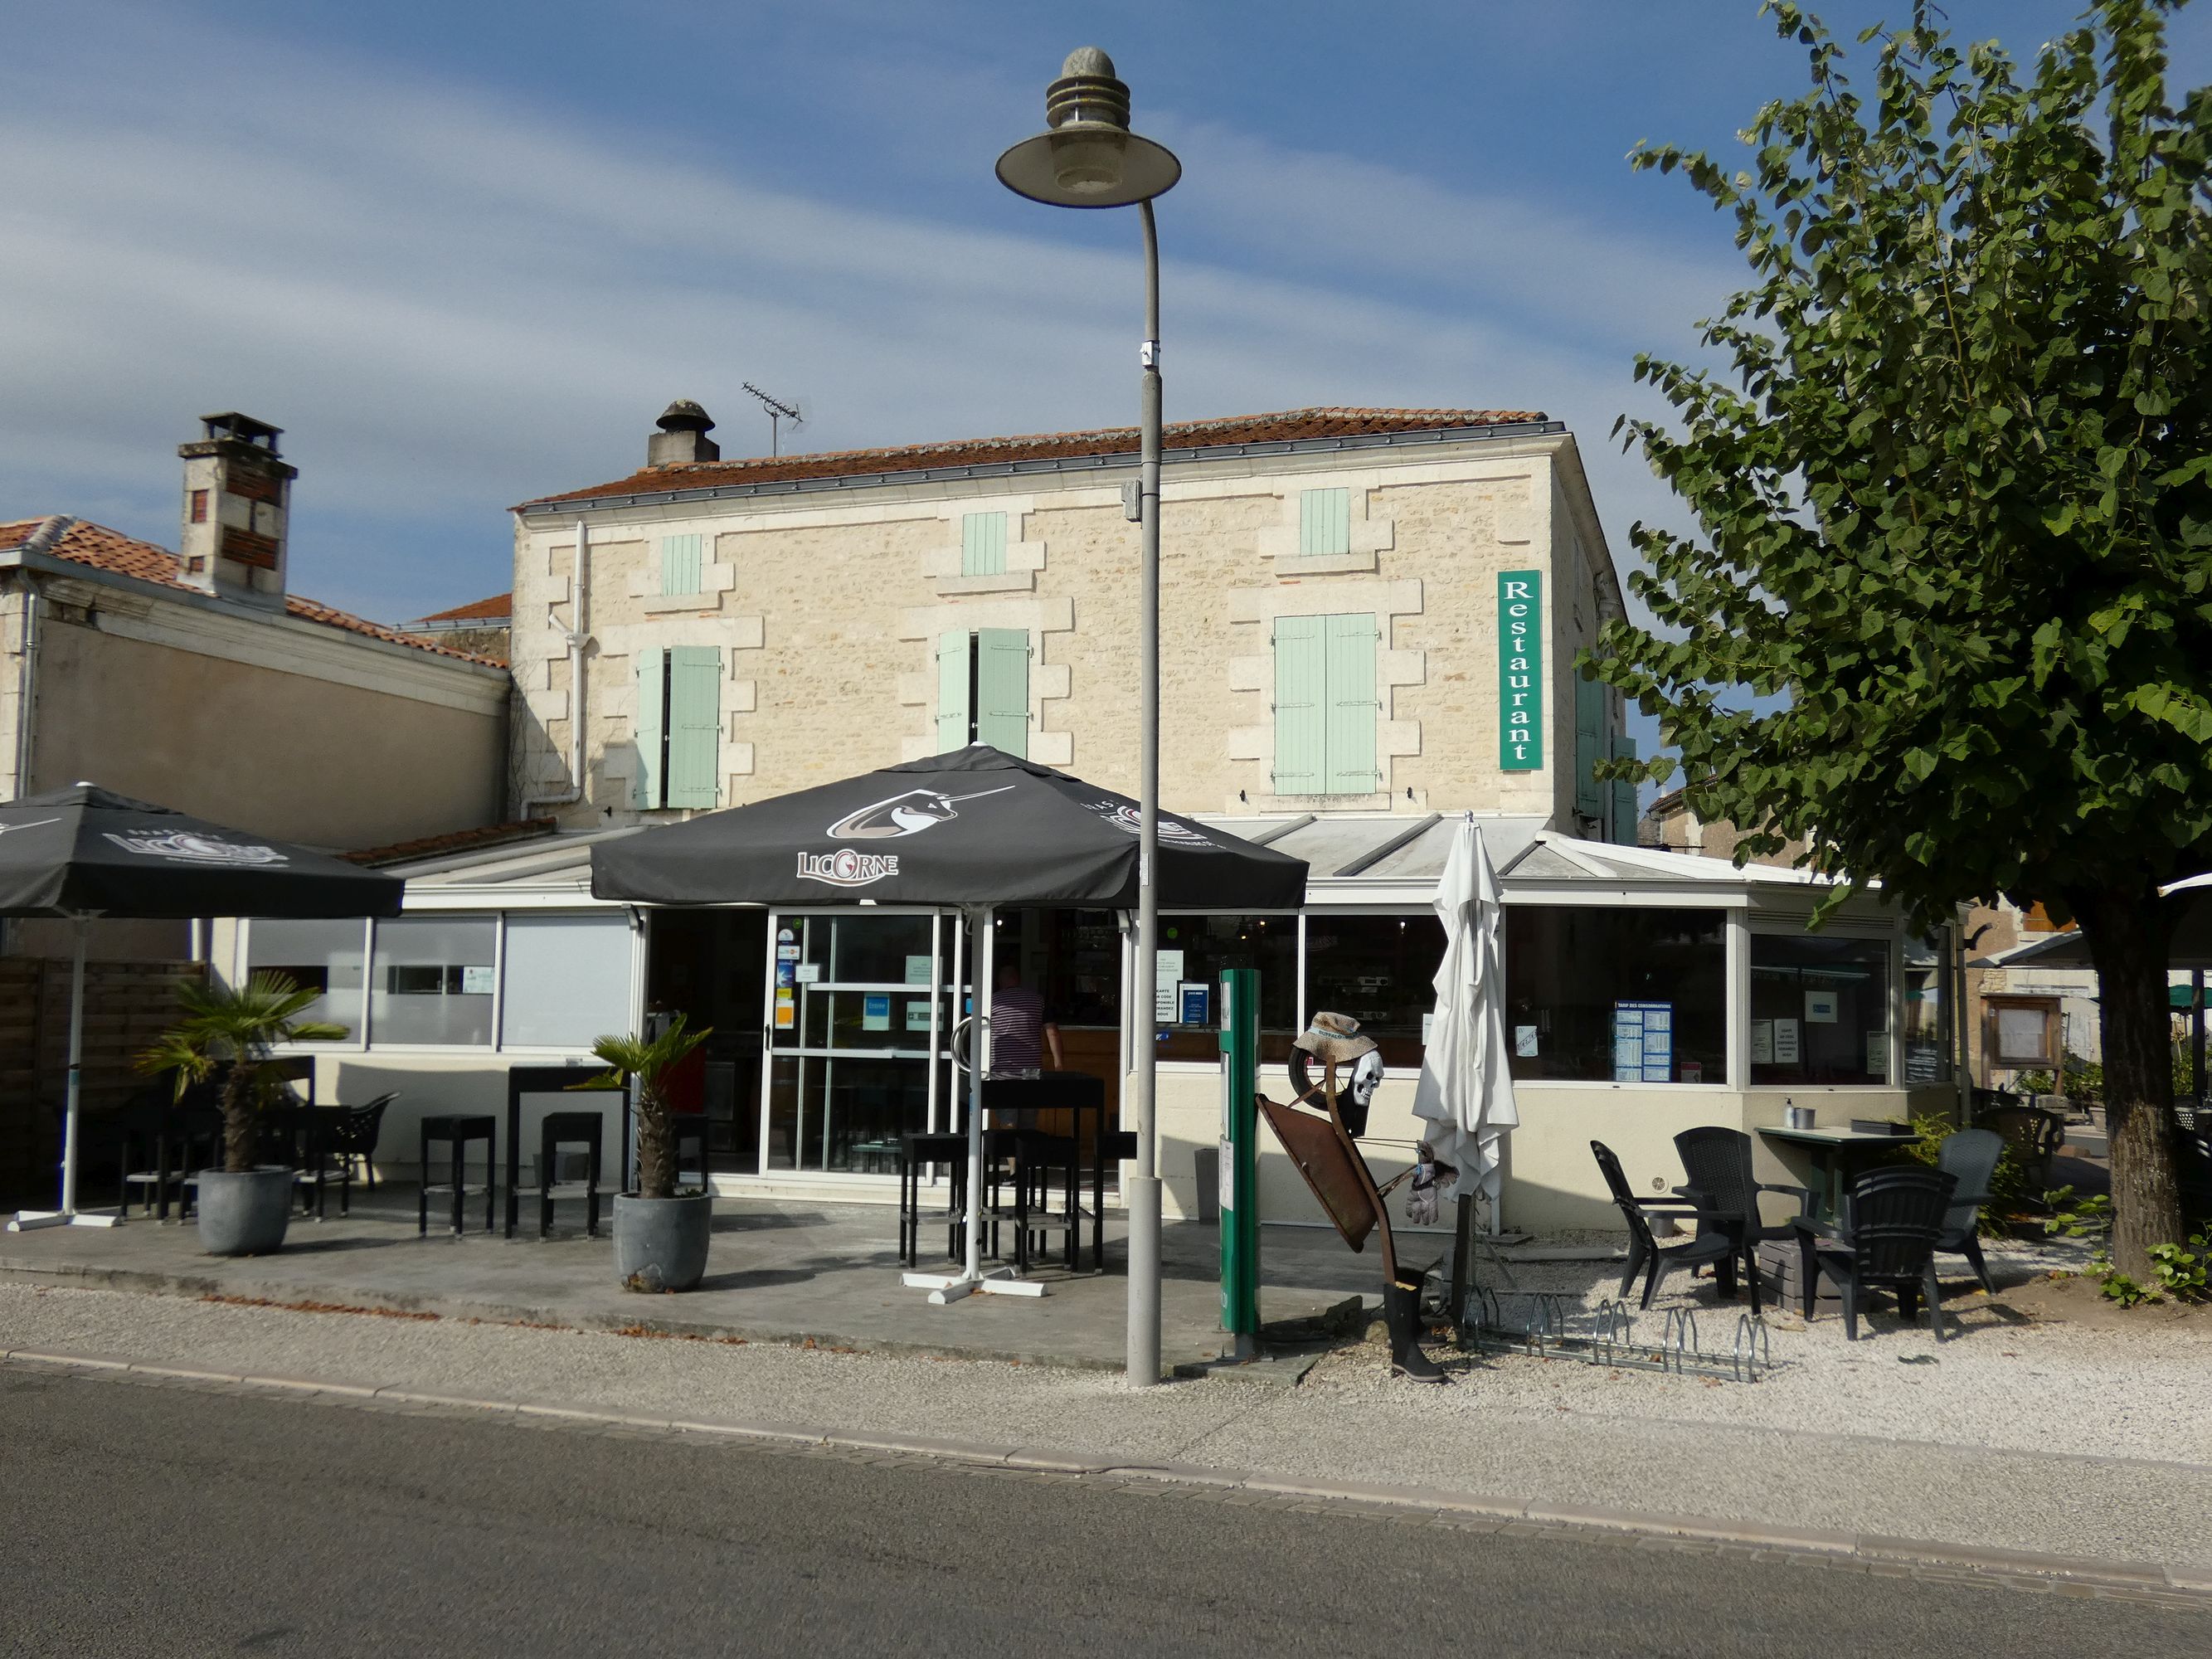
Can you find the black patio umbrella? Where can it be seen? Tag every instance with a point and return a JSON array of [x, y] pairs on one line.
[[978, 828], [85, 852], [974, 827]]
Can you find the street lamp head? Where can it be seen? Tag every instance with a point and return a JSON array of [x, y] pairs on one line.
[[1087, 157]]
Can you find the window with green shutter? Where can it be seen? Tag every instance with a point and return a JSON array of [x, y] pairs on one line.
[[1002, 689], [1324, 521], [1325, 706], [649, 727], [1590, 747], [956, 669], [682, 561], [983, 689], [678, 728], [1350, 644], [1623, 796], [983, 545], [695, 725]]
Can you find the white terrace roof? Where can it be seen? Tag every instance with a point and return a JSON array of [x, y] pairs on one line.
[[1387, 858]]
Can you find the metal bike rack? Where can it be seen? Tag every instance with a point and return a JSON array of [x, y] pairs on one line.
[[1547, 1327]]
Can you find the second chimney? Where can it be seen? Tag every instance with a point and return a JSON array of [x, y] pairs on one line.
[[238, 501], [683, 436]]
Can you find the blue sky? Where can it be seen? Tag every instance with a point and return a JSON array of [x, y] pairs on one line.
[[464, 252]]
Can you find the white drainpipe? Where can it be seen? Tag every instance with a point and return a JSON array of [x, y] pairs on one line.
[[576, 639]]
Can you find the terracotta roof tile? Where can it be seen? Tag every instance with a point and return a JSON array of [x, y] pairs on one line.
[[458, 841], [497, 608], [1283, 426], [103, 549]]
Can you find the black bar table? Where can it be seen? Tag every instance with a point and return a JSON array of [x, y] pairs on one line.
[[552, 1080]]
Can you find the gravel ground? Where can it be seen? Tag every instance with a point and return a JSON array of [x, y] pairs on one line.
[[2022, 1435]]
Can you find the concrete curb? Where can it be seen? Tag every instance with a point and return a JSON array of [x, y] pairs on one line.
[[145, 1282], [1869, 1550]]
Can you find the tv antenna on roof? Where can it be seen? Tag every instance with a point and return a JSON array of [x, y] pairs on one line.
[[776, 411]]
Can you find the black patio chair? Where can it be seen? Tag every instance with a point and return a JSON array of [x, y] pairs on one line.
[[353, 1134], [1717, 1162], [1970, 1156], [1645, 1255], [1886, 1241]]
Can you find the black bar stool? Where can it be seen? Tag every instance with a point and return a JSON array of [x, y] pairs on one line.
[[568, 1129], [917, 1151], [457, 1132]]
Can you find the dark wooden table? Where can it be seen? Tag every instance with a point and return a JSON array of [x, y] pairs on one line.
[[1075, 1092], [553, 1080]]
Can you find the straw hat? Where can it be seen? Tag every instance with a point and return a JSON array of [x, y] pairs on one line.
[[1330, 1039]]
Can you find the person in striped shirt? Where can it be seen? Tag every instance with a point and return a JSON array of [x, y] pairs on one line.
[[1021, 1035]]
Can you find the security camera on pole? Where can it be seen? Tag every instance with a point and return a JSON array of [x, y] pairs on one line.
[[1088, 158]]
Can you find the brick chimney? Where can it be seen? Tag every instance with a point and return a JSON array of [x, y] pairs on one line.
[[683, 436], [238, 500]]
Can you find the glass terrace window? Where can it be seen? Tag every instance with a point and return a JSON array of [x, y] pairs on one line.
[[321, 956], [1820, 1009], [1381, 970], [568, 980], [1192, 952], [1599, 995], [431, 980]]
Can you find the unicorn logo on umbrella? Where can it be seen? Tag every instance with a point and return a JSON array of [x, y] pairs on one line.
[[902, 815]]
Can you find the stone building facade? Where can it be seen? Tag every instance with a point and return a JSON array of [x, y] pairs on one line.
[[1332, 639]]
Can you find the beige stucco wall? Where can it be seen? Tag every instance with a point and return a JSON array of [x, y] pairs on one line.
[[287, 754], [827, 609]]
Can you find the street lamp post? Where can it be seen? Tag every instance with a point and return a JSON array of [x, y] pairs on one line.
[[1087, 157]]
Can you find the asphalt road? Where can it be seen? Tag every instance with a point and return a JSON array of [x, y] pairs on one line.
[[167, 1521]]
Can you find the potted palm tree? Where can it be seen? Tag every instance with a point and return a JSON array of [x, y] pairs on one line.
[[660, 1234], [244, 1206]]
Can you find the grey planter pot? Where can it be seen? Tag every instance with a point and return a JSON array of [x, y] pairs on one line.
[[661, 1244], [245, 1215]]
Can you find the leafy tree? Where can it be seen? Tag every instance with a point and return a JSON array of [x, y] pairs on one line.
[[230, 1030], [1948, 620], [649, 1064]]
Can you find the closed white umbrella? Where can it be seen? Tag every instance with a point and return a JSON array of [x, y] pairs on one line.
[[1466, 1090]]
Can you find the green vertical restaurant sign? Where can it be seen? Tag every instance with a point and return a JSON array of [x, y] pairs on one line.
[[1520, 670]]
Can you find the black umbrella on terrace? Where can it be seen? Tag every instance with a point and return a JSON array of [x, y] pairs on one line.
[[976, 829], [85, 852]]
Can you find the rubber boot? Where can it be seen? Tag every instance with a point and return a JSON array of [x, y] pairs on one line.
[[1401, 1312]]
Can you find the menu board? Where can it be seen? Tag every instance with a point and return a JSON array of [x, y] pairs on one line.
[[1643, 1042]]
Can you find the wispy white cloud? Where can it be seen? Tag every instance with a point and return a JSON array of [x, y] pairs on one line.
[[452, 300]]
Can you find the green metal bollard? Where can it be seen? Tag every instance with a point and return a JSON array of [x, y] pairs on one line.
[[1240, 1154]]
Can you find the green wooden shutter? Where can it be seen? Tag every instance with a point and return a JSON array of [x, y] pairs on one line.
[[1590, 746], [1623, 796], [1300, 693], [983, 545], [952, 692], [695, 724], [1350, 746], [1002, 689], [681, 559], [649, 725], [1324, 521]]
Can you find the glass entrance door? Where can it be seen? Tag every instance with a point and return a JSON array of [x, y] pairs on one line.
[[861, 1005]]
